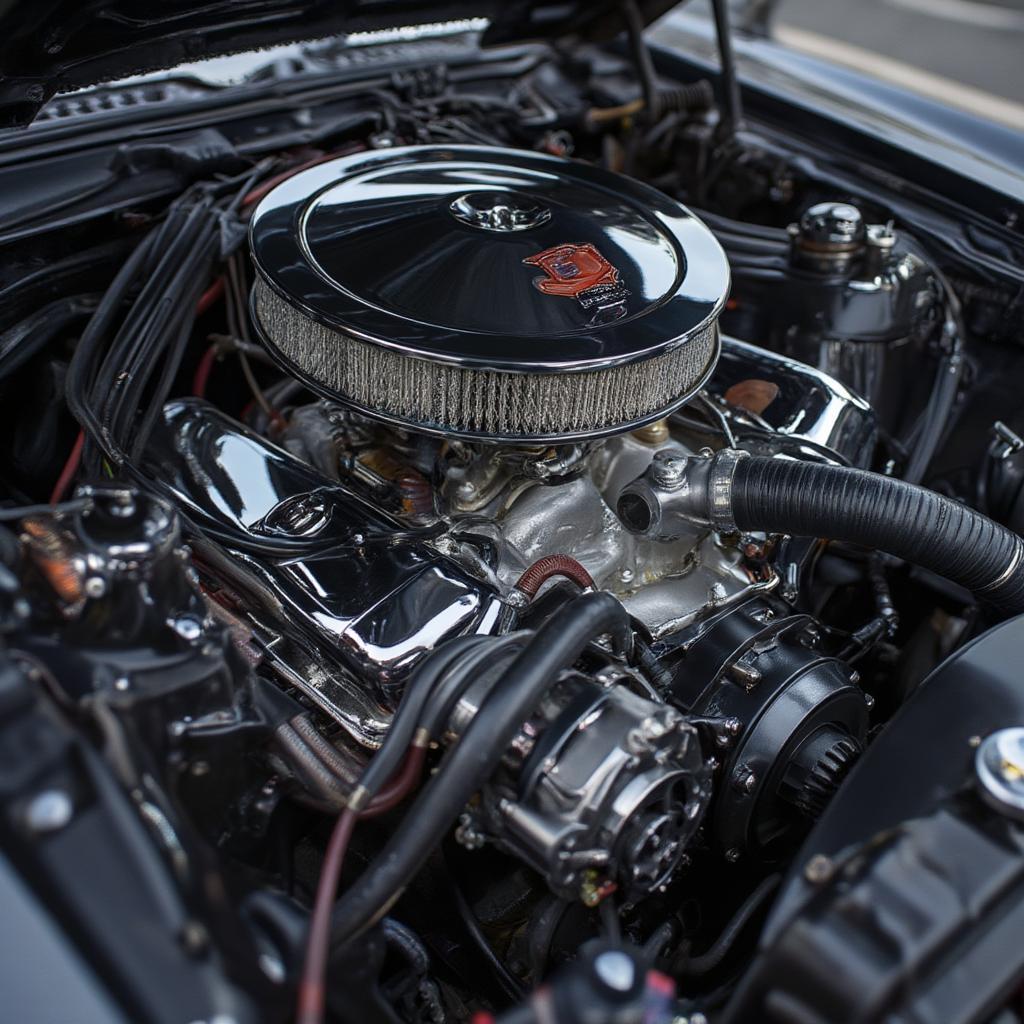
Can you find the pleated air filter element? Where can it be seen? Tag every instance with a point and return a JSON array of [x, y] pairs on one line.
[[487, 294]]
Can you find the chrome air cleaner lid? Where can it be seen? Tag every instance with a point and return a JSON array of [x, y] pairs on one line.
[[487, 293]]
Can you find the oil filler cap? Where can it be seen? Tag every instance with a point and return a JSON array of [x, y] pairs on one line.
[[999, 766]]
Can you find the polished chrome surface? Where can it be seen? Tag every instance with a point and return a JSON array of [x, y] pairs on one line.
[[499, 211], [601, 783], [367, 246], [368, 605], [830, 227], [802, 402]]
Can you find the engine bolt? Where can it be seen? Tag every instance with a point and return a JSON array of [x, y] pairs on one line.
[[193, 938], [652, 728], [746, 675], [744, 779], [668, 469], [187, 627]]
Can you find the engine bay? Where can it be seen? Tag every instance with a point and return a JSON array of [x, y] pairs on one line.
[[505, 509]]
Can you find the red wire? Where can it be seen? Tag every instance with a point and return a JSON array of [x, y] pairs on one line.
[[210, 296], [205, 367], [395, 791], [67, 474], [203, 371], [261, 190], [206, 300], [310, 1008]]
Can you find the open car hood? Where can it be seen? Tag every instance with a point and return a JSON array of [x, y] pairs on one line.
[[51, 46]]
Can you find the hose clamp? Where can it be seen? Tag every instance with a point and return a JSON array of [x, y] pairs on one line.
[[1008, 573], [358, 799], [723, 469]]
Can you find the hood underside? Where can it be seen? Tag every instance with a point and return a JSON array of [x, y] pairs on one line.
[[52, 46]]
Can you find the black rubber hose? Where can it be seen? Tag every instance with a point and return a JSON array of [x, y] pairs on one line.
[[719, 949], [316, 777], [473, 759], [466, 671], [880, 512], [385, 763], [346, 769]]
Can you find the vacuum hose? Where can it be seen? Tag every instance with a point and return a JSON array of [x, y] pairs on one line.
[[732, 491]]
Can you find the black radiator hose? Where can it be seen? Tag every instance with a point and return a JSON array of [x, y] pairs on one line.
[[736, 491], [476, 755], [875, 511]]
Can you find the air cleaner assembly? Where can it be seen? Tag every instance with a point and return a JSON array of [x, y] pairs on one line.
[[487, 294]]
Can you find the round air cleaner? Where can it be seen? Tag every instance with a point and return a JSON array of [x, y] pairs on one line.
[[487, 294]]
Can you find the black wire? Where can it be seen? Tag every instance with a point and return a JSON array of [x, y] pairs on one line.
[[8, 515], [641, 58], [384, 764], [513, 988], [35, 332], [610, 919], [172, 364], [79, 379], [162, 317], [719, 949], [784, 442], [658, 940], [541, 935], [161, 242], [711, 407]]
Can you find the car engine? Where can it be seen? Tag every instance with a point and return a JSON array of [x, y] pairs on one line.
[[487, 552]]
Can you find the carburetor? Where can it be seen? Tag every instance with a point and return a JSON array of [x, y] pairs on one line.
[[601, 791]]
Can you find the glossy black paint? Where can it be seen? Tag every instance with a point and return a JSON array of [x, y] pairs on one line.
[[57, 45], [911, 907], [798, 694], [923, 759], [922, 149], [368, 246]]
